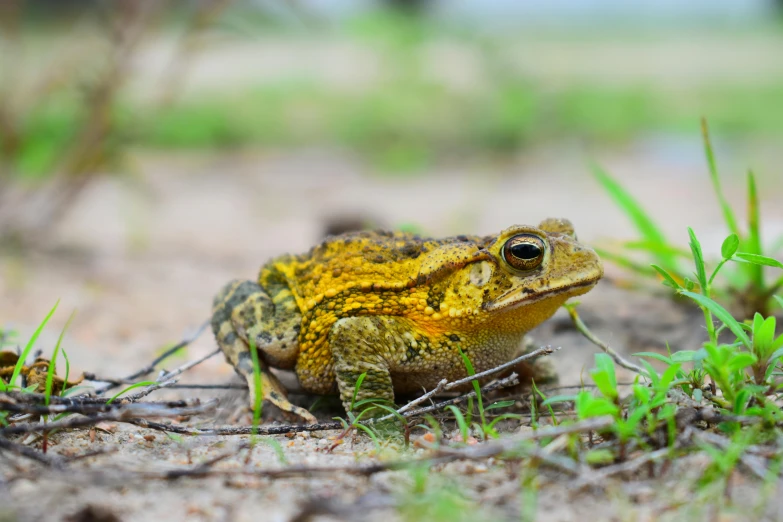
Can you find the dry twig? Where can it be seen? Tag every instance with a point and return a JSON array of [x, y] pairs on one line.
[[127, 413], [444, 385], [148, 369], [619, 359], [29, 453]]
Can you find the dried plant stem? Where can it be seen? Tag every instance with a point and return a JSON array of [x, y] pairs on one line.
[[584, 330]]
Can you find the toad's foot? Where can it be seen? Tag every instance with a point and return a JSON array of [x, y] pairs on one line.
[[273, 392]]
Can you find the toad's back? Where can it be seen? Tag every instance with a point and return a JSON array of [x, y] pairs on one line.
[[361, 274], [343, 268]]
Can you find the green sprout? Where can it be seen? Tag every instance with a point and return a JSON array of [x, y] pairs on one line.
[[746, 283]]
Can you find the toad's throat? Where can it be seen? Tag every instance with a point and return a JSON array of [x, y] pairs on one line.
[[517, 298]]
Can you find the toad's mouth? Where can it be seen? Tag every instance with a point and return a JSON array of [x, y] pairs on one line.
[[522, 297]]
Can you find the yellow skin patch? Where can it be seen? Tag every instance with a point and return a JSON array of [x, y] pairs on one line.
[[399, 308]]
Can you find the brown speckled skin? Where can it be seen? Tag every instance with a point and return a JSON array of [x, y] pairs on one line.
[[396, 307]]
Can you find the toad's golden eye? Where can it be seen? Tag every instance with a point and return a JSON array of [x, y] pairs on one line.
[[524, 252]]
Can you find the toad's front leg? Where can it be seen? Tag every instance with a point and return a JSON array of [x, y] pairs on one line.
[[362, 345], [244, 312]]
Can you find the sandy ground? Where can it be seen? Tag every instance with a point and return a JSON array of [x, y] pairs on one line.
[[141, 259]]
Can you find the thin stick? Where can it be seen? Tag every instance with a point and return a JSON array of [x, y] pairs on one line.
[[445, 385], [127, 413], [178, 386], [511, 380], [167, 379], [29, 453], [582, 328], [86, 408], [38, 399], [143, 393], [151, 367], [229, 386], [544, 350], [187, 366], [200, 470], [234, 430]]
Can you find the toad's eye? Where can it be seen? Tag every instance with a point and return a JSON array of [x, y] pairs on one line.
[[524, 252]]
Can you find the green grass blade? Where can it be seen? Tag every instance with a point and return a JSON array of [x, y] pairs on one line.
[[657, 248], [698, 260], [656, 356], [131, 387], [505, 416], [624, 262], [728, 213], [722, 314], [534, 407], [634, 211], [753, 243], [53, 360], [475, 383], [356, 388], [30, 344], [370, 433], [461, 423], [667, 277], [76, 390], [555, 399], [257, 386], [499, 404], [277, 448], [67, 372]]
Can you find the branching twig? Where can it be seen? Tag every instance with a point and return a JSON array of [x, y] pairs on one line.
[[511, 380], [112, 383], [187, 366], [444, 385], [228, 386]]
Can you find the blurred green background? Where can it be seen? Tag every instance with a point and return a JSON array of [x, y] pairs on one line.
[[402, 86]]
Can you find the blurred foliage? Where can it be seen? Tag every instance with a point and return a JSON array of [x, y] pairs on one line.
[[82, 114], [405, 121], [428, 119], [68, 120]]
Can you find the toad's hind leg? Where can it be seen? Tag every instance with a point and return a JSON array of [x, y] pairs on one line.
[[243, 311]]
